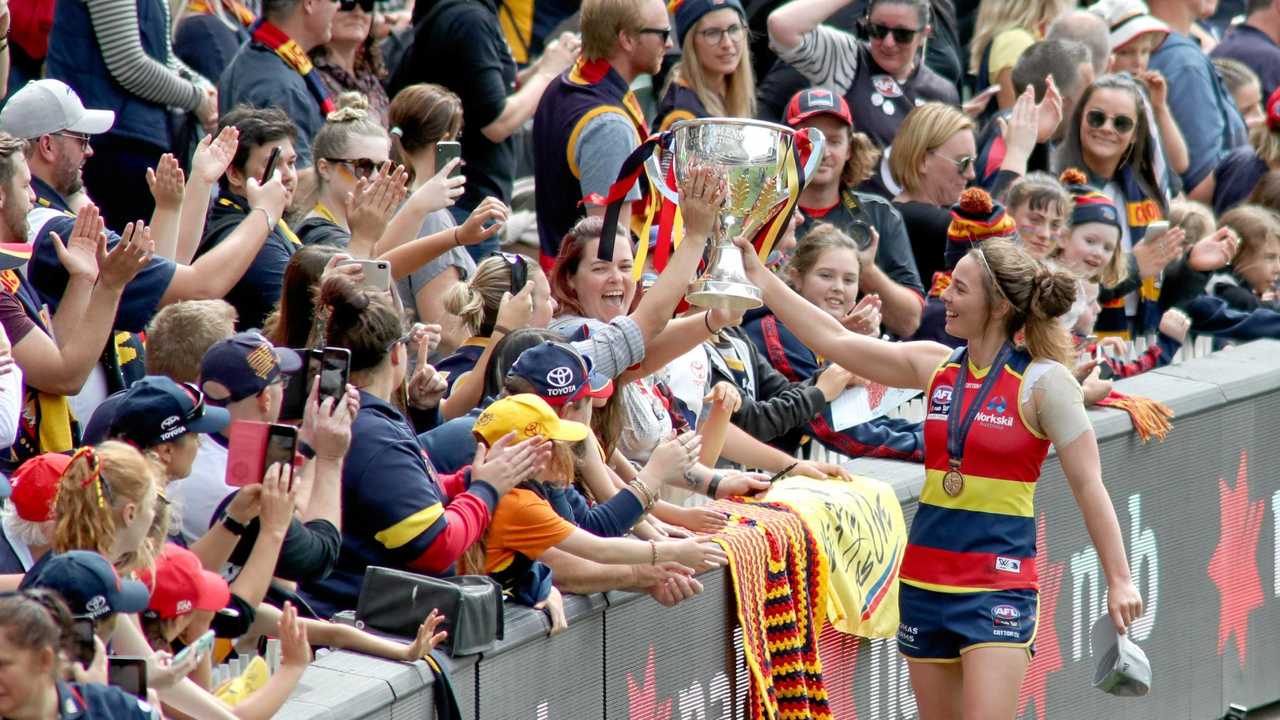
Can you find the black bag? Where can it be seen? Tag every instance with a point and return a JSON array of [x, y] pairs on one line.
[[396, 602]]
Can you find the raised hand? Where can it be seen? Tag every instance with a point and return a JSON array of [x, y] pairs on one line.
[[427, 638], [427, 386], [516, 311], [1020, 131], [441, 191], [295, 651], [864, 318], [327, 424], [1176, 324], [867, 255], [1155, 253], [1157, 88], [278, 495], [560, 54], [673, 457], [1048, 111], [1215, 251], [214, 155], [487, 220], [430, 332], [120, 266], [167, 183], [80, 254], [375, 200], [506, 463], [701, 196], [272, 197]]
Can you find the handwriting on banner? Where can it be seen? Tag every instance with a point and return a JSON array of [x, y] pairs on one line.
[[866, 402], [860, 528]]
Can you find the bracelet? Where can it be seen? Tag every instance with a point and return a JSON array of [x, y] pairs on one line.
[[646, 498], [653, 553], [456, 242], [714, 484], [502, 329], [233, 526], [266, 216], [305, 450], [706, 320]]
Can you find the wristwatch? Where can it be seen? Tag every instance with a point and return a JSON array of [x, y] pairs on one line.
[[233, 526]]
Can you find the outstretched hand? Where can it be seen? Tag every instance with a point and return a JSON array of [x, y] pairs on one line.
[[702, 194]]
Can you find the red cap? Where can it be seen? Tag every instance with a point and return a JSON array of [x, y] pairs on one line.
[[182, 585], [817, 101], [35, 486]]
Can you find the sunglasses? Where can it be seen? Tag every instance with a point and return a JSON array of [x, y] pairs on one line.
[[519, 270], [962, 163], [1098, 119], [901, 36], [404, 339], [663, 33], [360, 168], [349, 5]]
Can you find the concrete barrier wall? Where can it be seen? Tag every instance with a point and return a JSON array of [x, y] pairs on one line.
[[1198, 513]]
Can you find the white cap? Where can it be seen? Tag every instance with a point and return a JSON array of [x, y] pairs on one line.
[[43, 107], [1126, 20]]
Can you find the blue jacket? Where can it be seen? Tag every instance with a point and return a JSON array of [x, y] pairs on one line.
[[76, 59]]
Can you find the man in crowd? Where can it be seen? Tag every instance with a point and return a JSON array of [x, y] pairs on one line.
[[262, 131], [1206, 113], [589, 121], [1256, 43], [273, 69], [1088, 28]]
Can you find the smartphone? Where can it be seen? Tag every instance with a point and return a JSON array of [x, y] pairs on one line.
[[246, 452], [446, 151], [294, 404], [82, 641], [271, 164], [1157, 228], [129, 674], [335, 363], [282, 446], [201, 646], [377, 273]]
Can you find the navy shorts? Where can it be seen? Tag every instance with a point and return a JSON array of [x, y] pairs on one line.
[[939, 627]]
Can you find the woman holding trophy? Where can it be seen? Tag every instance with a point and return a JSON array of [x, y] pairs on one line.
[[713, 77], [969, 597]]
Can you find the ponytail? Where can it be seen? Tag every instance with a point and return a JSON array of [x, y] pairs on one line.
[[1036, 296], [359, 319], [95, 487], [477, 301]]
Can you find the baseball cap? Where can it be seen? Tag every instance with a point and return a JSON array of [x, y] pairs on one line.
[[244, 365], [817, 101], [558, 373], [1127, 20], [180, 585], [526, 415], [156, 409], [88, 584], [1123, 669], [47, 106], [35, 486], [14, 255]]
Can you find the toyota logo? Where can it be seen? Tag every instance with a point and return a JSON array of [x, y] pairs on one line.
[[560, 376]]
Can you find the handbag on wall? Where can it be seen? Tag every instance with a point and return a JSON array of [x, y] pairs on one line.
[[396, 602]]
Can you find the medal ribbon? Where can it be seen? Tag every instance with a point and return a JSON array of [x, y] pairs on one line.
[[957, 427]]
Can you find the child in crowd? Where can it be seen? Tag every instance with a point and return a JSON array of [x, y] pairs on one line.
[[1039, 206], [1251, 280]]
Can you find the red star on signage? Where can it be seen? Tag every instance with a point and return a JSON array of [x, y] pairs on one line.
[[1048, 655], [1234, 565], [643, 699]]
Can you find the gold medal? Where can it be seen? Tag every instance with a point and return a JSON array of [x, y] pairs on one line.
[[953, 482]]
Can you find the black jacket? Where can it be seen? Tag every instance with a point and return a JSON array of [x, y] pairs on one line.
[[775, 406]]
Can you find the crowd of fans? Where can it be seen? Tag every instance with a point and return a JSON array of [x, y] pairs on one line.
[[195, 195]]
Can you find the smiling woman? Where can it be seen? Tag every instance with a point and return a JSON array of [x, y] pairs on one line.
[[714, 77], [352, 60]]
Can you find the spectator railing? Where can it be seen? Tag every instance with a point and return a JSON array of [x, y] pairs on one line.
[[1198, 513]]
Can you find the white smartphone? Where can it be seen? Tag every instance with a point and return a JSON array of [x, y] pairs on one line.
[[1157, 228], [377, 273], [201, 646]]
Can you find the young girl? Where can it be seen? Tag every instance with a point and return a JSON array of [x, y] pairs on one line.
[[107, 500], [1039, 206], [1251, 280], [999, 298], [825, 270]]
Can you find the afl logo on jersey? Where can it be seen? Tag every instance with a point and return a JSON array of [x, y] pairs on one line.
[[940, 400]]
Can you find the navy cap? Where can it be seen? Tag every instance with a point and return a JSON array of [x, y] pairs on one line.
[[98, 428], [156, 409], [88, 584], [244, 365], [558, 373]]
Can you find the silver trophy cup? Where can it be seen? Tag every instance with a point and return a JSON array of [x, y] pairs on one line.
[[751, 156]]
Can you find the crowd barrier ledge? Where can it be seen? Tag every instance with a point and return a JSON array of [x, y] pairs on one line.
[[1198, 513]]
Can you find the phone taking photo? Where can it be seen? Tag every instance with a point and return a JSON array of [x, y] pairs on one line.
[[271, 165], [129, 674], [446, 152], [82, 641], [377, 273], [335, 365], [256, 446], [294, 404], [201, 646], [282, 446]]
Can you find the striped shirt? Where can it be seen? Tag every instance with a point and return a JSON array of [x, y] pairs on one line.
[[826, 56], [170, 83]]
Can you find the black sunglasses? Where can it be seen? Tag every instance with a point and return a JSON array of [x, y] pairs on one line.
[[902, 36], [1098, 119], [349, 5], [519, 270], [663, 33], [360, 167]]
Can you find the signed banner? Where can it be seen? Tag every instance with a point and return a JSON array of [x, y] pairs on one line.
[[866, 402]]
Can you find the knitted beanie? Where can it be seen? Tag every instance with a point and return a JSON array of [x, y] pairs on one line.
[[975, 218]]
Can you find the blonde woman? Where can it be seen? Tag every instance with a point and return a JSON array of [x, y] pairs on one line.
[[713, 77]]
